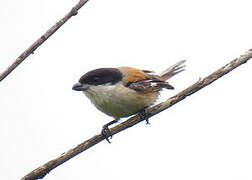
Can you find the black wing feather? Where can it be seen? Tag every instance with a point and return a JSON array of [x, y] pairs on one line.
[[149, 85]]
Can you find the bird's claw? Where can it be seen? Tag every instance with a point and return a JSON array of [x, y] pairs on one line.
[[144, 115], [147, 121], [106, 133]]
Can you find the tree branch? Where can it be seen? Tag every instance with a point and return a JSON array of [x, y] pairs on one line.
[[42, 39], [41, 171]]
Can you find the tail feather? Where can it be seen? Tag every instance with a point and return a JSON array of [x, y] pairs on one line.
[[173, 70]]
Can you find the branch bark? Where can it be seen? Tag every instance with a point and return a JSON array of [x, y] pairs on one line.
[[41, 171], [42, 39]]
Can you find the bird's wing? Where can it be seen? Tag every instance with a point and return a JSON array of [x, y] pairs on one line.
[[143, 81], [152, 84]]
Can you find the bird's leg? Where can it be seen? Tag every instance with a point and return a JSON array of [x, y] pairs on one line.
[[144, 115], [105, 130]]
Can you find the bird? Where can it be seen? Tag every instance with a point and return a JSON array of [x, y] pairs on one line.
[[124, 91]]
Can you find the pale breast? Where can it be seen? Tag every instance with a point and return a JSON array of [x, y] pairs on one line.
[[119, 101]]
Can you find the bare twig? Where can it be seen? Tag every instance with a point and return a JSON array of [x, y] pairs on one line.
[[42, 39], [41, 171]]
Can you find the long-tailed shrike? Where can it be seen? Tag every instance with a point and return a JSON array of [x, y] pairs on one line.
[[124, 91]]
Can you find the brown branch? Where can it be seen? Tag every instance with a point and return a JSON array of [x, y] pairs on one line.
[[41, 171], [42, 39]]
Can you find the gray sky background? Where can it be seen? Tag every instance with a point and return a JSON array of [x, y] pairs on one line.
[[206, 136]]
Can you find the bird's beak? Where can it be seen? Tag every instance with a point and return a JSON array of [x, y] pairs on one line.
[[80, 87]]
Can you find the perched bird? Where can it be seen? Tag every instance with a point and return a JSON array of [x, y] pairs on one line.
[[124, 91]]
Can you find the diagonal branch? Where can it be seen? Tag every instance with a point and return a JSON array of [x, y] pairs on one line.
[[41, 171], [42, 39]]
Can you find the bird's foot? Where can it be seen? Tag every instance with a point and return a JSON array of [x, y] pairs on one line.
[[106, 131], [144, 115]]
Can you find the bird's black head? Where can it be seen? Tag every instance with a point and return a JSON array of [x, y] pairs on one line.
[[98, 77]]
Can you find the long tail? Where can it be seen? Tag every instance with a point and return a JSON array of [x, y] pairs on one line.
[[173, 70]]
